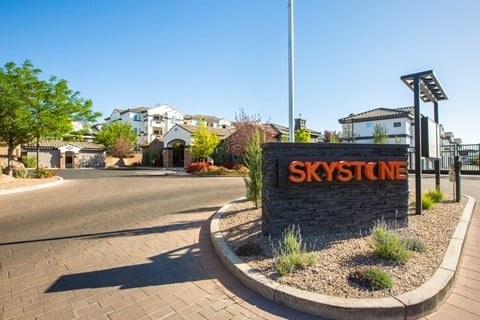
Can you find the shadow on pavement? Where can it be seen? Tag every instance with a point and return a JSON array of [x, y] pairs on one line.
[[118, 233], [179, 265]]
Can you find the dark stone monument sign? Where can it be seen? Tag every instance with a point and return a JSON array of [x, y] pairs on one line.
[[327, 188]]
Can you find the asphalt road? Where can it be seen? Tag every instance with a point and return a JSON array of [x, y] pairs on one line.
[[106, 201]]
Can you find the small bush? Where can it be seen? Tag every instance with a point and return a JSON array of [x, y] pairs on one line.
[[41, 173], [240, 168], [229, 165], [21, 173], [388, 246], [371, 278], [414, 245], [436, 195], [291, 253], [427, 202], [29, 162], [197, 167]]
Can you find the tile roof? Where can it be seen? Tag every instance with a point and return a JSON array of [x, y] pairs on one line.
[[137, 109], [198, 117], [221, 133], [55, 144], [285, 130], [379, 114]]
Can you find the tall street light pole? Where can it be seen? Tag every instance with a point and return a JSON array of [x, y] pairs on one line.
[[290, 72]]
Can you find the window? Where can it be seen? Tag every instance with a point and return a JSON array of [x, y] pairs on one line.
[[157, 118], [369, 125], [137, 117], [397, 124]]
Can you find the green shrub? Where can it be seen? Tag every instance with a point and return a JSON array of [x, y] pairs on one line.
[[414, 245], [371, 278], [29, 162], [388, 246], [427, 202], [291, 253], [436, 195], [43, 173], [253, 161], [21, 173]]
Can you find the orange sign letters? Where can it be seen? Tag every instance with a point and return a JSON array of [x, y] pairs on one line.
[[307, 171]]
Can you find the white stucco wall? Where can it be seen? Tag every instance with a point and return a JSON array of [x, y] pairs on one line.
[[364, 130], [177, 133]]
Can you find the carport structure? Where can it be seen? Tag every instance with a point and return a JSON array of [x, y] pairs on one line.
[[425, 86]]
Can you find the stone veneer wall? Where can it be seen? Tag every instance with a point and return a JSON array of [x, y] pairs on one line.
[[330, 206]]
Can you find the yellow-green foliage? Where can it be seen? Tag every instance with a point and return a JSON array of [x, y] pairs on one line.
[[436, 195], [427, 202]]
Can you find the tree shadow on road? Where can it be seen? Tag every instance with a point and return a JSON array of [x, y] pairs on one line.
[[116, 233], [175, 266]]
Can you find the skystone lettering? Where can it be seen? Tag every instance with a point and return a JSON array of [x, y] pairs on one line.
[[345, 171]]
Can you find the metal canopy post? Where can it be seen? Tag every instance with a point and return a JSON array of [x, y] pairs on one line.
[[425, 86], [436, 163], [418, 146]]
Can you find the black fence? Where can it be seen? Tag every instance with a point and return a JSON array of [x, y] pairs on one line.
[[469, 155]]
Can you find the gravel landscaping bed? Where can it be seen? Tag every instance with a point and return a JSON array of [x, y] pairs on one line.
[[339, 254], [7, 182]]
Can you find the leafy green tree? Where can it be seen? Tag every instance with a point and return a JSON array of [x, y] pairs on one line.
[[113, 132], [380, 134], [302, 135], [253, 161], [77, 135], [203, 142], [31, 108]]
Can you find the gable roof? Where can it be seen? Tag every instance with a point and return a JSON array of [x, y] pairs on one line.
[[137, 109], [282, 130], [380, 114], [221, 133], [55, 144], [200, 117]]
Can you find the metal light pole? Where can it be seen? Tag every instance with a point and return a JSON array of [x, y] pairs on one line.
[[290, 72]]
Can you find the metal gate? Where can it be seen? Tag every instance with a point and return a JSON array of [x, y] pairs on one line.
[[469, 155]]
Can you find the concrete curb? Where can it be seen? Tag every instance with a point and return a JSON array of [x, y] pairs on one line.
[[410, 305], [35, 187]]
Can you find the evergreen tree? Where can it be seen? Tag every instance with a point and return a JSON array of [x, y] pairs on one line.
[[253, 161]]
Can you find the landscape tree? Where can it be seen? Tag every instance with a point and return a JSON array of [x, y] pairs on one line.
[[331, 136], [31, 108], [348, 134], [121, 148], [203, 142], [380, 134], [114, 135], [245, 126], [253, 161], [302, 135], [77, 135]]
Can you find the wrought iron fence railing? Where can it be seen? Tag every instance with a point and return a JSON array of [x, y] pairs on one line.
[[469, 155]]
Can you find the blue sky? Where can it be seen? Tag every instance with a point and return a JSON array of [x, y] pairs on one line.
[[216, 56]]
